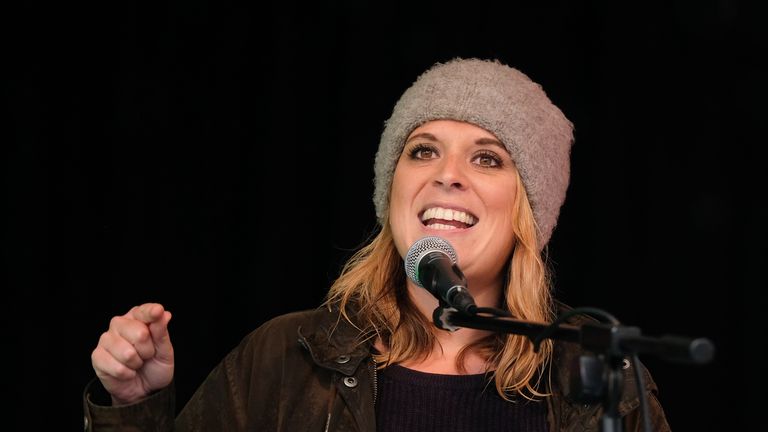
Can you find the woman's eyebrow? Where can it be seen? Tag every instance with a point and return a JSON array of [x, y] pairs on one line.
[[424, 135], [481, 141], [491, 141]]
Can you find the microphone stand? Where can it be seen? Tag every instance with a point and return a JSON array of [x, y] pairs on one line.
[[612, 343]]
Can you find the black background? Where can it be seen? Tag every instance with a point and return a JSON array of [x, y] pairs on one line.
[[217, 158]]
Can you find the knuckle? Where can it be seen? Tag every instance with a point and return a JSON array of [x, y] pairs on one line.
[[138, 337], [142, 334], [95, 356], [129, 355], [123, 372], [103, 338], [115, 322]]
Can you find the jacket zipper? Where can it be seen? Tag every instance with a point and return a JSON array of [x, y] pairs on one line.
[[331, 400]]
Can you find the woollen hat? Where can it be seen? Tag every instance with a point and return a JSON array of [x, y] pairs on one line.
[[501, 100]]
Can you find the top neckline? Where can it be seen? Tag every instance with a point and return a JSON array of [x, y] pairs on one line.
[[423, 379]]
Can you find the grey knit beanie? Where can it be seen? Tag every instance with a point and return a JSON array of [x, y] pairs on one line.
[[501, 100]]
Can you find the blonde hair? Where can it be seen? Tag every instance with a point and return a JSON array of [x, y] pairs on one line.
[[373, 280]]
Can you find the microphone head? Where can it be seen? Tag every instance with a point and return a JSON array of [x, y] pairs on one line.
[[421, 248]]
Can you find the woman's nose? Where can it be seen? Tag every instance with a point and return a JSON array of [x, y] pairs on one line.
[[450, 173]]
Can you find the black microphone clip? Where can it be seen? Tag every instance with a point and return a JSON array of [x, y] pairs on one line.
[[441, 317]]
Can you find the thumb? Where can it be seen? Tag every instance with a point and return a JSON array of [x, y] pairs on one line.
[[161, 338]]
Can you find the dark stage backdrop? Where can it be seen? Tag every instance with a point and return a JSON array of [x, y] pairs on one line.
[[217, 158]]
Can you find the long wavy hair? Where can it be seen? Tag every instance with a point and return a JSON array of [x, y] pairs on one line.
[[374, 281]]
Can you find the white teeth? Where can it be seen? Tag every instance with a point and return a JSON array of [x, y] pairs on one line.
[[447, 214], [440, 226]]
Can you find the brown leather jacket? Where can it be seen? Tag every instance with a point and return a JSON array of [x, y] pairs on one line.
[[303, 372]]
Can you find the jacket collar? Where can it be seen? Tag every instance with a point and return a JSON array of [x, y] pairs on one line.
[[334, 342]]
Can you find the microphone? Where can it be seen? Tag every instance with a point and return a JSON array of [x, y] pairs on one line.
[[431, 264]]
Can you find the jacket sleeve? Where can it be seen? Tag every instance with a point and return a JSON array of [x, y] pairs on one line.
[[245, 391], [153, 414], [218, 404]]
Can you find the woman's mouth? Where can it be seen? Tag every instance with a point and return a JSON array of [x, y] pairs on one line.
[[447, 219]]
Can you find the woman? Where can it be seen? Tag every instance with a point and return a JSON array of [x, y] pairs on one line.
[[474, 153]]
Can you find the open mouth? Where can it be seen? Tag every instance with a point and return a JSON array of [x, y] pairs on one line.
[[447, 219]]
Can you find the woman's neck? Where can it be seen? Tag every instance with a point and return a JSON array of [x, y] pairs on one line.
[[449, 345], [442, 359]]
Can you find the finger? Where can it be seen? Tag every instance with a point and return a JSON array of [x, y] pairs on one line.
[[107, 367], [162, 339], [121, 350], [147, 313], [135, 333]]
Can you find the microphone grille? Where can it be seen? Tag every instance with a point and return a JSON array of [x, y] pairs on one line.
[[422, 247]]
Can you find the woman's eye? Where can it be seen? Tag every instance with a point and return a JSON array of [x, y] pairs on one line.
[[488, 160], [422, 152]]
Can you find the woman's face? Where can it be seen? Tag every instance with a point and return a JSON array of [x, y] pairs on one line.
[[456, 181]]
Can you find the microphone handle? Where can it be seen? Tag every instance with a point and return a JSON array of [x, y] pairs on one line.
[[445, 280], [461, 300]]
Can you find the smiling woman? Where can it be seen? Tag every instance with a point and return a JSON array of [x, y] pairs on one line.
[[474, 153], [452, 170]]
